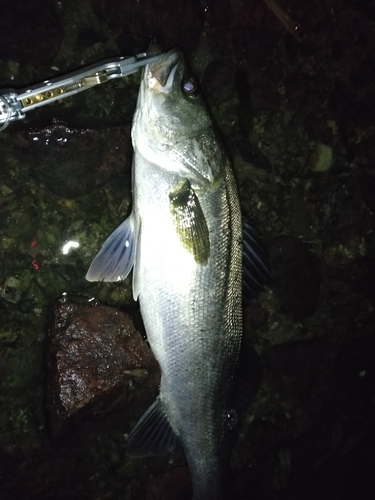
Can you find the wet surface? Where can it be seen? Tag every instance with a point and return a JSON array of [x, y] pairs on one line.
[[296, 113], [96, 359], [106, 151]]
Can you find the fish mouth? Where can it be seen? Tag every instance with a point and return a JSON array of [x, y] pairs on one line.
[[164, 69]]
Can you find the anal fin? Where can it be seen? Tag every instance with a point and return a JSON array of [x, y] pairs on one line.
[[153, 434]]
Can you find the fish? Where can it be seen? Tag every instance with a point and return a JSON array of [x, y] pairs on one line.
[[184, 240]]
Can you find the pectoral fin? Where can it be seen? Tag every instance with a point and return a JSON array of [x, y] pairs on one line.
[[190, 222], [116, 257]]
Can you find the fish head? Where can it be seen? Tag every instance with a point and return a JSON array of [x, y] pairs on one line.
[[172, 127]]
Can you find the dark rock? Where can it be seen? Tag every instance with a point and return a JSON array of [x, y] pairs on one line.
[[264, 96], [243, 89], [34, 478], [71, 162], [171, 485], [367, 186], [357, 372], [294, 358], [317, 396], [301, 89], [93, 353], [30, 34], [253, 155], [354, 31], [300, 223], [298, 276], [218, 13], [175, 23], [357, 129], [254, 316], [218, 82], [260, 45], [363, 276]]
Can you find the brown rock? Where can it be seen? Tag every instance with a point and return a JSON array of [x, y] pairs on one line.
[[94, 352]]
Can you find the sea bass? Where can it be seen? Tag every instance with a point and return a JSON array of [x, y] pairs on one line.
[[184, 240]]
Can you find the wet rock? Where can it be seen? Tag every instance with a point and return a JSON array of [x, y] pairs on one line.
[[71, 162], [94, 353], [15, 287], [298, 276], [30, 34]]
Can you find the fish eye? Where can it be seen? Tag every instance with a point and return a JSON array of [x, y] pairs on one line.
[[190, 87]]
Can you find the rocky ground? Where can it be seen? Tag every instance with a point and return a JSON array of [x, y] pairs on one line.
[[294, 100]]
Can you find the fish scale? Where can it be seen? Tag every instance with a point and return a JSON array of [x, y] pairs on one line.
[[184, 239]]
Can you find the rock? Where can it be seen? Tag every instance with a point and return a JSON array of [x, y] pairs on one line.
[[171, 485], [254, 317], [15, 287], [71, 162], [218, 82], [366, 183], [294, 359], [94, 353], [251, 154], [176, 23], [321, 158], [260, 45], [300, 223], [265, 96], [37, 477]]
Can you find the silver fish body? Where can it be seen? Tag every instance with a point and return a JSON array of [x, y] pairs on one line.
[[190, 303], [184, 238]]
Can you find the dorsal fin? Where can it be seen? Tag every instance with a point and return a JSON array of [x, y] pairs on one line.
[[256, 274]]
